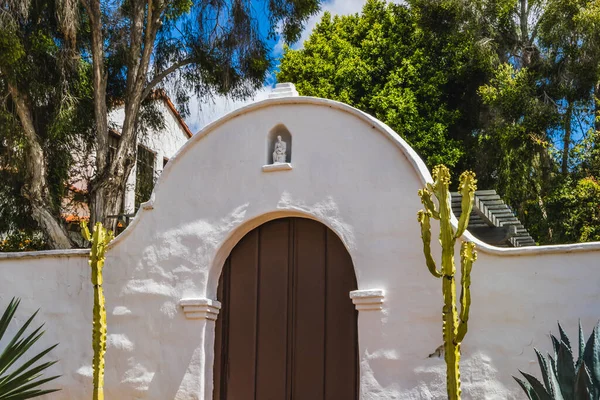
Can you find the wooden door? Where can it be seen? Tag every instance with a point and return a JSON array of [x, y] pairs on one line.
[[287, 328]]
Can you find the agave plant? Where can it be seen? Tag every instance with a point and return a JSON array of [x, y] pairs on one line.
[[19, 382], [565, 378]]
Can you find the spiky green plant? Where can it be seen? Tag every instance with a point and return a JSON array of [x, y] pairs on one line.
[[100, 238], [454, 324], [564, 378], [22, 381]]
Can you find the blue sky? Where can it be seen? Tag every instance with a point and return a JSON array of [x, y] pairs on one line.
[[205, 113]]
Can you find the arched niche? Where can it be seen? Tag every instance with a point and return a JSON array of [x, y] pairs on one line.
[[286, 136]]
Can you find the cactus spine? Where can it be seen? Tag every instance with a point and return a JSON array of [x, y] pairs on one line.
[[99, 239], [454, 323]]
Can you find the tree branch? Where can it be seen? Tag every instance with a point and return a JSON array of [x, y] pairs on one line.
[[152, 25], [163, 74], [36, 188], [86, 5]]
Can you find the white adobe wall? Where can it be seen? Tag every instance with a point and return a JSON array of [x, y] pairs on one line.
[[58, 283], [353, 174], [164, 143]]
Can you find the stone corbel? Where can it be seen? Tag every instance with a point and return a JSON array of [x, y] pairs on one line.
[[367, 300], [199, 308]]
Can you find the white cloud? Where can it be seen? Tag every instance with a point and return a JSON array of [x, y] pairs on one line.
[[207, 112], [335, 7]]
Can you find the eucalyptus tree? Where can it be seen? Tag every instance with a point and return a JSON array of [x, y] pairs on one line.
[[45, 95], [541, 107], [200, 47], [572, 50], [53, 51]]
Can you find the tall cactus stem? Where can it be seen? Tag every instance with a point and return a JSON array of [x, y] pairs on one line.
[[454, 324], [428, 203], [99, 239], [467, 190], [468, 255], [424, 220]]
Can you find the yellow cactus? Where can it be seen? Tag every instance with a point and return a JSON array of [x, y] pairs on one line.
[[454, 324], [99, 239]]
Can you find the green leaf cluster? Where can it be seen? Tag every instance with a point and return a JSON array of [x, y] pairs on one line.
[[507, 88], [136, 50], [575, 209], [58, 87], [411, 67]]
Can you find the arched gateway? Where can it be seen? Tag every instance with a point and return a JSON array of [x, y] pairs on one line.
[[238, 190], [287, 328]]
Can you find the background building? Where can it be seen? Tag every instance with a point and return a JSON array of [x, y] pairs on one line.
[[155, 147]]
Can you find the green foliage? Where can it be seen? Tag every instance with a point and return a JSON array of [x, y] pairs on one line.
[[571, 46], [410, 67], [575, 209], [177, 8], [563, 377], [21, 240], [454, 324], [21, 378], [223, 46], [58, 88], [539, 144], [11, 50], [506, 88], [15, 215], [515, 158], [191, 47]]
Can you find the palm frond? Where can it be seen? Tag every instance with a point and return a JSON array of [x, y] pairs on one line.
[[22, 381]]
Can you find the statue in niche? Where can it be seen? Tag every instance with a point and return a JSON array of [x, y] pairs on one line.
[[279, 153]]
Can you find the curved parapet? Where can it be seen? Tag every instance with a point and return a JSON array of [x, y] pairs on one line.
[[350, 172], [418, 166]]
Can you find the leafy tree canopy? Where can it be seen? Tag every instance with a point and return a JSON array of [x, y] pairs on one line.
[[413, 68], [63, 61], [57, 90], [507, 88]]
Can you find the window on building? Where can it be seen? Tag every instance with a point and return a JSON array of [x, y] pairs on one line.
[[113, 143], [144, 177]]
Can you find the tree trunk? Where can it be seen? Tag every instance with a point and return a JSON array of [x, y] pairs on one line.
[[108, 188], [597, 107], [98, 195], [567, 139], [36, 188], [524, 27]]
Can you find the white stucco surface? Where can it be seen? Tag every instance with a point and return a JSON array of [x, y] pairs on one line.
[[349, 172]]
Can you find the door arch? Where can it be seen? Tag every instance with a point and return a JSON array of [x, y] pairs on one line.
[[287, 328]]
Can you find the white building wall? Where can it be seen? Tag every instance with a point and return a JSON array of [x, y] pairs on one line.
[[58, 283], [163, 143], [349, 172]]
